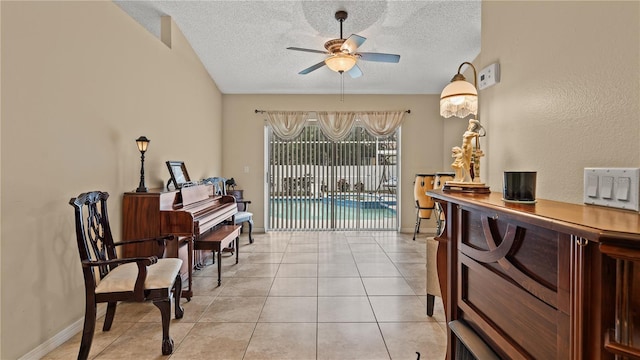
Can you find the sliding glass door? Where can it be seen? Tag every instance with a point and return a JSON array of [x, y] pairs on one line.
[[318, 184]]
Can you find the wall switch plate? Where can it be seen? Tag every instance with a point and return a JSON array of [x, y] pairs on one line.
[[612, 187], [489, 76]]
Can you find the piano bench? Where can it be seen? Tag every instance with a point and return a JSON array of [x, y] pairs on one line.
[[218, 239]]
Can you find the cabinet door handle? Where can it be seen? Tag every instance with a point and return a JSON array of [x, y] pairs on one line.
[[581, 241]]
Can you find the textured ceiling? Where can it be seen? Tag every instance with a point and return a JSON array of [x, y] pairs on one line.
[[242, 44]]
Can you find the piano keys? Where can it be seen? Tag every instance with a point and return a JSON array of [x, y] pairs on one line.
[[189, 213]]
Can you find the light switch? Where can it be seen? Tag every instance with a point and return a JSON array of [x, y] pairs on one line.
[[607, 187], [622, 190], [592, 186], [612, 187]]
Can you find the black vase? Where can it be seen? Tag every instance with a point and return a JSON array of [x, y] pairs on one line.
[[519, 185]]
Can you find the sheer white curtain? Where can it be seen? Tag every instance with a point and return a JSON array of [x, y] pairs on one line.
[[287, 124], [336, 125], [381, 123]]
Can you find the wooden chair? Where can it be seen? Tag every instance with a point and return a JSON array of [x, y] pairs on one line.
[[127, 279], [243, 215], [424, 203]]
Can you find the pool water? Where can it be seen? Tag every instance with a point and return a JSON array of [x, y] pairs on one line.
[[364, 201], [347, 207]]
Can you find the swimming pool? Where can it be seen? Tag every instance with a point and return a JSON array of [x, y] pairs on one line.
[[364, 201], [341, 211]]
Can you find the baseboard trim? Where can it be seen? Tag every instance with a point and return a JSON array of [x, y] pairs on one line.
[[61, 337], [423, 230]]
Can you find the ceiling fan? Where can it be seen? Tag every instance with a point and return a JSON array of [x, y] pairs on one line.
[[342, 53]]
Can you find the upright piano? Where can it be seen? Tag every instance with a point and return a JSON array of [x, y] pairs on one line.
[[189, 213]]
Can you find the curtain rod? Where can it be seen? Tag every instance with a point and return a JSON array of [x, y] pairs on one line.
[[264, 111]]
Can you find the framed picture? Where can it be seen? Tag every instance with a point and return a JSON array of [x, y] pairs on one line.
[[179, 174]]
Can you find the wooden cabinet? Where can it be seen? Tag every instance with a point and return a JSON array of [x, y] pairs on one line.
[[540, 281]]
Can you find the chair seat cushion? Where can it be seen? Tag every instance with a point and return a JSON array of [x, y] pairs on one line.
[[123, 278], [242, 216]]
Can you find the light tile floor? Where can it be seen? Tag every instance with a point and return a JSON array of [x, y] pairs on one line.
[[294, 295]]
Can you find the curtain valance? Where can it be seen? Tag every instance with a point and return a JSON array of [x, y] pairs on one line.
[[287, 124], [381, 123], [336, 125]]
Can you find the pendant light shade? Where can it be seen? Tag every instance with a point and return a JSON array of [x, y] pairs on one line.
[[340, 62], [459, 98]]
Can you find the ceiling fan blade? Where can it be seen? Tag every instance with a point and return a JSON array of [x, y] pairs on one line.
[[380, 57], [355, 72], [308, 50], [352, 43], [312, 68]]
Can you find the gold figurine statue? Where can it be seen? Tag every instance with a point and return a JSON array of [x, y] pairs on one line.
[[466, 162]]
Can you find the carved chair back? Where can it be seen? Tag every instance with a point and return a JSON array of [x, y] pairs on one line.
[[93, 233]]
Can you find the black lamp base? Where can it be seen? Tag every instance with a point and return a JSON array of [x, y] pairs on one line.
[[142, 187]]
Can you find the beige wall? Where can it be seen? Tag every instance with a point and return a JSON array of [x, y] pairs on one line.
[[243, 137], [81, 81], [0, 187], [569, 95]]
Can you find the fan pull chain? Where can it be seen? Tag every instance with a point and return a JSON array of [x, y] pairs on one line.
[[341, 86]]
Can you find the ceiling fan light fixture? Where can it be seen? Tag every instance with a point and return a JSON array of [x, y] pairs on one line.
[[342, 55], [341, 62]]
